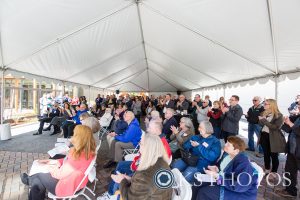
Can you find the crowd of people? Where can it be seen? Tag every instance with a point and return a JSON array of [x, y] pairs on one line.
[[186, 135]]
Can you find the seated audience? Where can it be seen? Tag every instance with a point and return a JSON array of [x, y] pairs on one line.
[[142, 185], [235, 177], [54, 113], [106, 118], [128, 140], [56, 122], [154, 115], [69, 126], [64, 176], [181, 135], [205, 147], [129, 167], [168, 122]]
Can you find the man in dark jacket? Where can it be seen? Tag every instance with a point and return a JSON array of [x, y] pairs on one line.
[[168, 103], [54, 113], [168, 122], [292, 164], [182, 104], [231, 118], [253, 126]]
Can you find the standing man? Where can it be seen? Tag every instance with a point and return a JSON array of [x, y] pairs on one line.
[[168, 103], [196, 103], [231, 117], [253, 126], [182, 104]]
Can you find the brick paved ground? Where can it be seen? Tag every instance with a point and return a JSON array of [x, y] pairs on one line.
[[14, 163]]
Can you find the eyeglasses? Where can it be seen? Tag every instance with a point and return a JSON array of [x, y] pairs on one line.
[[254, 100]]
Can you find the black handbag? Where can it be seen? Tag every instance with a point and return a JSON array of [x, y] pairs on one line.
[[189, 158]]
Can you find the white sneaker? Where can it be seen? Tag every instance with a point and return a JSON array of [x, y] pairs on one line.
[[106, 196]]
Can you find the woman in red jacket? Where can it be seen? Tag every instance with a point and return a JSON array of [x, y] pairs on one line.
[[214, 115], [64, 174]]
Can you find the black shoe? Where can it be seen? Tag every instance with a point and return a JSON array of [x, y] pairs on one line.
[[47, 129], [109, 164], [54, 133], [24, 179], [37, 133]]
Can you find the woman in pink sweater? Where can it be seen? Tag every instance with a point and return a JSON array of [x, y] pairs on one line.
[[64, 174]]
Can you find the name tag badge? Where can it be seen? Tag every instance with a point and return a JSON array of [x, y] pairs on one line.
[[205, 144]]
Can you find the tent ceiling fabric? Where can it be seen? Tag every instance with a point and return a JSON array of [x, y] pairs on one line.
[[184, 44]]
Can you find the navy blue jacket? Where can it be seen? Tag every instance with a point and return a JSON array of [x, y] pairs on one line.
[[208, 153], [167, 125], [244, 189]]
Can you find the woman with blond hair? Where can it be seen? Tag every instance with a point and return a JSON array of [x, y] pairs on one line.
[[272, 139], [142, 185], [64, 174]]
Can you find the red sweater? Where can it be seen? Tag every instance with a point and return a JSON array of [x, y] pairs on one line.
[[136, 159], [69, 173]]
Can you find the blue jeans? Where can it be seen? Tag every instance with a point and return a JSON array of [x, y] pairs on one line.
[[254, 128], [124, 168], [187, 171], [217, 132]]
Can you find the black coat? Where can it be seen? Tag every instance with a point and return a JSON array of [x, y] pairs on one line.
[[167, 127]]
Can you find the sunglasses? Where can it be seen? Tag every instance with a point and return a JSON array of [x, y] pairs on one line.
[[254, 100]]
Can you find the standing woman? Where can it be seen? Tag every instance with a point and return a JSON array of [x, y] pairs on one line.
[[272, 139]]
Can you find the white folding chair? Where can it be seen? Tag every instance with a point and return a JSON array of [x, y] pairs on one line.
[[91, 174], [104, 129], [259, 171], [182, 190]]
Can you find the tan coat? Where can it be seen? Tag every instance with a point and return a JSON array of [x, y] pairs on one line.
[[142, 186], [277, 140]]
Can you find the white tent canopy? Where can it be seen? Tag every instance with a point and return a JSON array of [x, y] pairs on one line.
[[150, 45]]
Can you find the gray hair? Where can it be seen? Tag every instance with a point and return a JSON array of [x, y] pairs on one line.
[[208, 127], [188, 124], [156, 124], [84, 115], [170, 110], [93, 123], [155, 114]]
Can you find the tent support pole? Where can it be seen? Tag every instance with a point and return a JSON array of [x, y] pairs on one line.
[[3, 69], [143, 39], [2, 94], [276, 87], [272, 36]]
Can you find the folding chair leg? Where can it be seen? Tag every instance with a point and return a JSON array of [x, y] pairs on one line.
[[86, 196]]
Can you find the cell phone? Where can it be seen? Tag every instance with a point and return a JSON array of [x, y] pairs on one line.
[[117, 172]]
